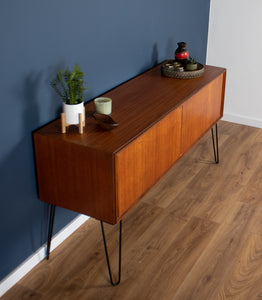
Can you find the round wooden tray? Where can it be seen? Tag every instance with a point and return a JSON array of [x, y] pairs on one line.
[[169, 72]]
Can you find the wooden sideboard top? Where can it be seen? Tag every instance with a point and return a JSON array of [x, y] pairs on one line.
[[138, 104]]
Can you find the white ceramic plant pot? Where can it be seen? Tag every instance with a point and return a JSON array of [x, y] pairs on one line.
[[72, 112]]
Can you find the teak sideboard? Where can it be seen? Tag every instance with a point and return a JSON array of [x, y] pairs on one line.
[[103, 174]]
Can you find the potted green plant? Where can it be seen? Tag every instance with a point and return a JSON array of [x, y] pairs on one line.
[[69, 85], [191, 64]]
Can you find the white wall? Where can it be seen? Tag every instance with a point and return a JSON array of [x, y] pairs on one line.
[[235, 42]]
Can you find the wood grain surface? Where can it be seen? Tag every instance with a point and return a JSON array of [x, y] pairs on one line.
[[196, 235], [202, 111], [146, 159]]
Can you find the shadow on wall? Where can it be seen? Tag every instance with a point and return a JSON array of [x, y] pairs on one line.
[[20, 208], [23, 217], [154, 58], [31, 116], [169, 52], [152, 61], [170, 49]]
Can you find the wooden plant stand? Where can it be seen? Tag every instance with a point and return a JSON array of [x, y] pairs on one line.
[[64, 125]]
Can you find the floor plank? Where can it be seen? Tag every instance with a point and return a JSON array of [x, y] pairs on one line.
[[244, 279], [210, 269]]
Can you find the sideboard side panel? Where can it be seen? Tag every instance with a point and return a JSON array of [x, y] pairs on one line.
[[202, 111], [145, 160], [75, 177]]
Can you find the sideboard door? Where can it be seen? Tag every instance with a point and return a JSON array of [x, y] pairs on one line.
[[146, 159], [201, 111]]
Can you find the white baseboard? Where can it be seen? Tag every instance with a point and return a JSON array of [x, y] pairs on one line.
[[239, 119], [11, 279]]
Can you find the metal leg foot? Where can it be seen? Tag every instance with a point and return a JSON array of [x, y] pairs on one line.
[[106, 252], [50, 229], [215, 145]]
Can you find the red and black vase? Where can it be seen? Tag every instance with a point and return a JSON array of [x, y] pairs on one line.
[[181, 53]]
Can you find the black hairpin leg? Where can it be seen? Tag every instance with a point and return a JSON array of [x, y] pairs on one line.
[[215, 145], [106, 252], [50, 229]]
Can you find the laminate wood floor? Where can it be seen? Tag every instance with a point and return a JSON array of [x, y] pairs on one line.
[[196, 235]]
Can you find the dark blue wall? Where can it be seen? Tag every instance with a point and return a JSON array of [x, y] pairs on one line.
[[112, 41]]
